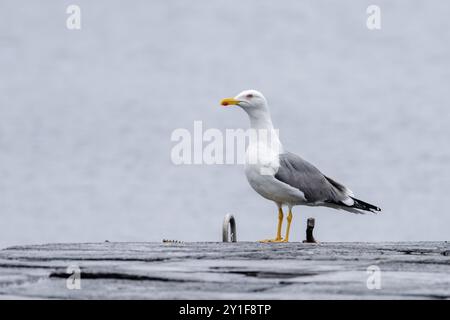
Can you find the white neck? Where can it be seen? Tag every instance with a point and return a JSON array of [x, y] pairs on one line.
[[261, 121]]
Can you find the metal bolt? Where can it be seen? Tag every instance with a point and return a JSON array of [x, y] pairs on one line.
[[309, 231]]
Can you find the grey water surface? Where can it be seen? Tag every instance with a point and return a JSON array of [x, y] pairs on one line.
[[86, 116]]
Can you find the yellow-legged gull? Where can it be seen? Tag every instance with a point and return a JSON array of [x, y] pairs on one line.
[[282, 176]]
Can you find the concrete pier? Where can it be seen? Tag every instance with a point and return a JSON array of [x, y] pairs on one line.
[[240, 270]]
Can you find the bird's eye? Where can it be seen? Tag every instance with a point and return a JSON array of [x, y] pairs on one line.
[[249, 96]]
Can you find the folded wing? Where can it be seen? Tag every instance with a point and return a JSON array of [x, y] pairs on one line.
[[318, 188]]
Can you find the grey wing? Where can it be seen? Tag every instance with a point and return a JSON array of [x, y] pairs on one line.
[[317, 187], [302, 175]]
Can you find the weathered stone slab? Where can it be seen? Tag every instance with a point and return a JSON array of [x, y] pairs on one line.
[[241, 270]]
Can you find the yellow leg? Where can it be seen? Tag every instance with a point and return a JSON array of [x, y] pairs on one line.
[[289, 220], [280, 223]]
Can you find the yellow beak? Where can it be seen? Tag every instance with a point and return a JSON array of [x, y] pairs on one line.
[[229, 101]]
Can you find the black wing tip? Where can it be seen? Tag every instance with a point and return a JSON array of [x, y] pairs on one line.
[[375, 210], [359, 204]]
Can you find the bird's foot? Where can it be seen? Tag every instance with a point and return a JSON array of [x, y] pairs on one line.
[[272, 240]]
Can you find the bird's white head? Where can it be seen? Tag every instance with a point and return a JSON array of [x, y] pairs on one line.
[[254, 103], [251, 101]]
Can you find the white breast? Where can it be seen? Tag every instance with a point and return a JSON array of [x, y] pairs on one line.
[[263, 157], [262, 164]]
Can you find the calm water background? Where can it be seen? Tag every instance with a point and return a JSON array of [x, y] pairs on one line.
[[86, 116]]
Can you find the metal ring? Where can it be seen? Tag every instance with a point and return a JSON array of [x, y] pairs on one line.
[[227, 221]]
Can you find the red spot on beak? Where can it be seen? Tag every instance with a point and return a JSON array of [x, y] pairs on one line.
[[224, 103]]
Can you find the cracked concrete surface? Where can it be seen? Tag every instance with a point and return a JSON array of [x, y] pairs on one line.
[[240, 270]]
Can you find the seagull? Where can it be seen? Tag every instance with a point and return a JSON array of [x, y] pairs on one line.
[[284, 177]]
